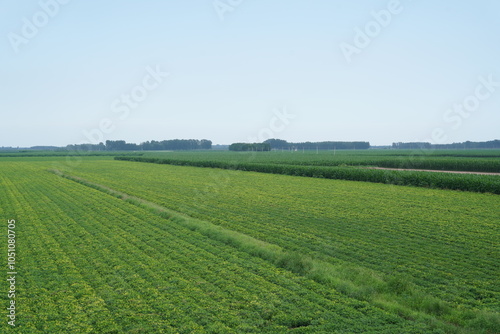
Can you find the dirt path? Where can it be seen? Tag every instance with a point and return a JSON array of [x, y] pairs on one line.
[[434, 171]]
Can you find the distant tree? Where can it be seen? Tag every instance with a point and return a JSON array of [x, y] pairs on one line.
[[205, 144], [325, 145], [244, 147], [176, 145], [86, 147], [412, 146], [492, 144], [278, 144]]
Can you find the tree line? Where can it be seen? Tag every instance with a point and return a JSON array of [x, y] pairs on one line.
[[164, 145], [244, 147], [469, 145], [279, 144]]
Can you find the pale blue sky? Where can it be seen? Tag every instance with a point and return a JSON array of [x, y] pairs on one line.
[[227, 77]]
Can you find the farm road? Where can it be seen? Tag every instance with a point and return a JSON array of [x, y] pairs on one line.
[[434, 171]]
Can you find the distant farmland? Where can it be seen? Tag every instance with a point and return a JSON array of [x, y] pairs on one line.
[[269, 242]]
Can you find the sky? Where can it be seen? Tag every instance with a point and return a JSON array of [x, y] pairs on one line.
[[74, 71]]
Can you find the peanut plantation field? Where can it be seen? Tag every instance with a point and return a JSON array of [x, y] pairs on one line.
[[111, 246]]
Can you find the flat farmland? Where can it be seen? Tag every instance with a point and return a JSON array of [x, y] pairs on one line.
[[120, 246], [460, 170], [456, 160]]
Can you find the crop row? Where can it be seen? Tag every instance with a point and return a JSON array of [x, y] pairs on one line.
[[477, 160], [418, 162], [463, 182]]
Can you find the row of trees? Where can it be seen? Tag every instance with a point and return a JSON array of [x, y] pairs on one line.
[[492, 144], [412, 146], [243, 147], [169, 145], [279, 144]]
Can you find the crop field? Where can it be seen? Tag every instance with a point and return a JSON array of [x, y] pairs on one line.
[[114, 246], [366, 166], [466, 160]]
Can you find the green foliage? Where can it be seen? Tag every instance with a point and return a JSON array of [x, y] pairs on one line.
[[325, 145], [394, 293], [244, 147], [93, 263], [267, 253], [452, 181], [406, 244]]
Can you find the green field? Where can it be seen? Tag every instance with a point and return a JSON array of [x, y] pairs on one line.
[[463, 160], [355, 165], [110, 246]]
